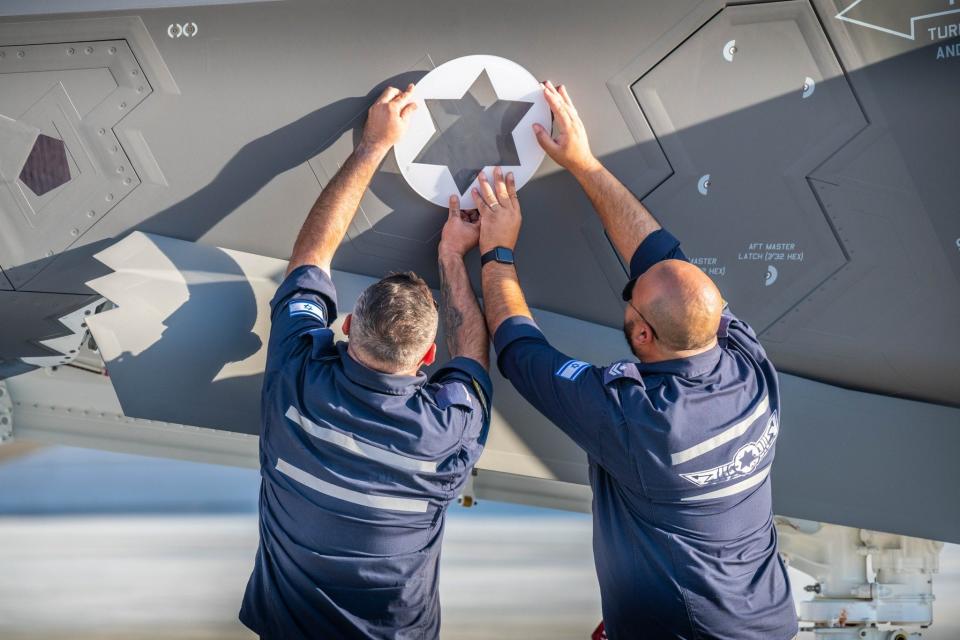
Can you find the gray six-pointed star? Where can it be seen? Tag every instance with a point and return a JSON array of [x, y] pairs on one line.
[[473, 132]]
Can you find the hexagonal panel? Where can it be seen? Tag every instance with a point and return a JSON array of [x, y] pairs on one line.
[[745, 109], [46, 167]]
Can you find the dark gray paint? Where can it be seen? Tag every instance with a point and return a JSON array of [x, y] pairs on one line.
[[245, 122], [473, 132], [852, 175]]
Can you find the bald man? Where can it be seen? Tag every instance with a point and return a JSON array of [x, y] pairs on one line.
[[680, 443]]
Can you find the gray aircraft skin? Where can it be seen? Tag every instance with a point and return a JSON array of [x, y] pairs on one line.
[[804, 151]]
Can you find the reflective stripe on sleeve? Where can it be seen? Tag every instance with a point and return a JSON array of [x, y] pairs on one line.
[[710, 444], [348, 495], [346, 441]]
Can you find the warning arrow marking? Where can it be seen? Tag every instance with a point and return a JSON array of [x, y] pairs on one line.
[[911, 35]]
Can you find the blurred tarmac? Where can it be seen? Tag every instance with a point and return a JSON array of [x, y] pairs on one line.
[[179, 577], [105, 546]]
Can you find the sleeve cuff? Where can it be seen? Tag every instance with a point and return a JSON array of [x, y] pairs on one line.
[[657, 246], [472, 368], [312, 279], [514, 328]]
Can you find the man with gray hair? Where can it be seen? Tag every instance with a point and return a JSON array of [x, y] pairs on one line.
[[360, 453]]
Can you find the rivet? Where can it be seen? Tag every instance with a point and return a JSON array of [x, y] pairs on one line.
[[127, 181], [71, 51], [139, 89], [135, 72], [21, 53], [120, 169], [88, 50], [733, 49], [123, 105], [91, 213], [112, 50], [109, 197], [114, 149], [74, 232], [3, 54], [102, 131]]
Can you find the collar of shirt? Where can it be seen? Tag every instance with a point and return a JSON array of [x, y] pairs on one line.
[[383, 382], [684, 367]]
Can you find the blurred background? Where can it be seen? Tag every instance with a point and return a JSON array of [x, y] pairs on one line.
[[113, 546]]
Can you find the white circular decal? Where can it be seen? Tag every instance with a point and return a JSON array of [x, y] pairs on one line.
[[473, 113]]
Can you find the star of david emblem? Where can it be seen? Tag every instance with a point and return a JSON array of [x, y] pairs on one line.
[[473, 132], [475, 113], [746, 459]]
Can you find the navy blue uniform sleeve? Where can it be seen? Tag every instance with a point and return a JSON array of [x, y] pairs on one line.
[[464, 381], [569, 392], [305, 301]]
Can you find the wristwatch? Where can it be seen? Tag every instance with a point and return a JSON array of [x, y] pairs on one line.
[[502, 255]]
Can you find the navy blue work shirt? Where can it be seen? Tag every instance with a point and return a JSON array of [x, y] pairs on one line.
[[680, 454], [358, 468]]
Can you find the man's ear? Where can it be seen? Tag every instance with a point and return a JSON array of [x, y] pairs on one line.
[[643, 334], [346, 324], [430, 356]]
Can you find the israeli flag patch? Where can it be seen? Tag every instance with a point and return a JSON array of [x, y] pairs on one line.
[[306, 308], [571, 369]]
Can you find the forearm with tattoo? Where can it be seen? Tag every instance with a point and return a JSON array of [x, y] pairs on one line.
[[502, 295], [465, 333], [327, 222]]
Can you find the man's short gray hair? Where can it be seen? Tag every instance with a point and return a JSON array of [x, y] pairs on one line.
[[395, 321]]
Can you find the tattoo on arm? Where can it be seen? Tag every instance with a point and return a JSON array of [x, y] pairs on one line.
[[465, 333]]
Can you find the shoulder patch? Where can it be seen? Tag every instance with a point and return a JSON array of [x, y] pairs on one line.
[[621, 370], [301, 307], [571, 369], [454, 394]]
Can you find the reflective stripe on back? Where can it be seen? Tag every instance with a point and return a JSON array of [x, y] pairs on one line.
[[729, 434], [346, 441], [347, 495], [733, 489]]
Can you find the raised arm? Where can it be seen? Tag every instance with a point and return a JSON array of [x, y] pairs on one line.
[[500, 221], [463, 324], [624, 217], [327, 222]]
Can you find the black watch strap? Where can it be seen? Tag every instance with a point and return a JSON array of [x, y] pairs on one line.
[[502, 255]]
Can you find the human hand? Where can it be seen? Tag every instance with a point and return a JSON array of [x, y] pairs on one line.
[[499, 210], [569, 147], [388, 118], [461, 233]]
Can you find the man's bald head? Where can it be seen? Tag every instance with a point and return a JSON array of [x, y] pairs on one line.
[[681, 303]]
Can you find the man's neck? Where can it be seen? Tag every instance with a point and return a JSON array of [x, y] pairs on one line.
[[375, 365], [662, 355]]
